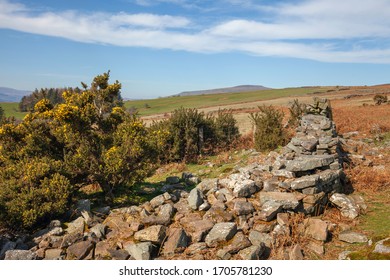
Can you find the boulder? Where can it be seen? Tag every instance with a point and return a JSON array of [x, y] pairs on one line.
[[316, 228], [177, 240], [347, 204], [198, 229], [243, 208], [140, 251], [172, 180], [244, 188], [80, 250], [258, 238], [220, 232], [155, 234], [253, 252], [195, 199]]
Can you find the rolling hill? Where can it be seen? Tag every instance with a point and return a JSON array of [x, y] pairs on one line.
[[12, 95], [242, 88]]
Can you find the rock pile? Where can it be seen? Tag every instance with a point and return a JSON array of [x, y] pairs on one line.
[[243, 216]]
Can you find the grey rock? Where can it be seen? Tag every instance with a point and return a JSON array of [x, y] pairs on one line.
[[316, 228], [80, 250], [172, 180], [195, 199], [288, 201], [76, 226], [207, 185], [140, 251], [309, 163], [120, 254], [304, 182], [102, 210], [243, 208], [348, 206], [239, 242], [163, 216], [352, 237], [19, 255], [177, 240], [99, 230], [198, 229], [218, 214], [245, 188], [157, 201], [220, 232], [257, 238], [283, 173], [155, 234], [253, 252], [83, 205], [195, 248], [381, 247], [269, 209]]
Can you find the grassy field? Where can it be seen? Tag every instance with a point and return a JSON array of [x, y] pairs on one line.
[[168, 104], [11, 110]]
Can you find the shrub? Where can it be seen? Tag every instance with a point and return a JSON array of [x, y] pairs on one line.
[[269, 132], [225, 129], [32, 191], [297, 110], [380, 99], [189, 133]]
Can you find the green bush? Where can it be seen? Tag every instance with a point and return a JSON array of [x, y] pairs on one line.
[[269, 131], [32, 191], [225, 129], [297, 110], [189, 133], [87, 139]]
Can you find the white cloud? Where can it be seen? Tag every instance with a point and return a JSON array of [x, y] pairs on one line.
[[323, 30]]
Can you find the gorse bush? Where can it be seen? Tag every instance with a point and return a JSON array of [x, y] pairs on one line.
[[87, 139], [189, 133], [297, 110], [269, 131]]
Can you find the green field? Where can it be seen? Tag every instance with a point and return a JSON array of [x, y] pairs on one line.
[[11, 110], [168, 104]]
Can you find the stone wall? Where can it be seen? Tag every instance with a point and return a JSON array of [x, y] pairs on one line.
[[243, 216]]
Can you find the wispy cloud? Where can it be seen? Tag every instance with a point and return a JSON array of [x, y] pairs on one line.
[[323, 30]]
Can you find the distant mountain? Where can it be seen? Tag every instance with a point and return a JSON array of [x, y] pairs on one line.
[[242, 88], [12, 95]]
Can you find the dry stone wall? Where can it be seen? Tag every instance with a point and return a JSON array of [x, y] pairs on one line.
[[243, 216]]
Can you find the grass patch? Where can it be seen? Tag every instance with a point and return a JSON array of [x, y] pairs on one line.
[[11, 109], [168, 104]]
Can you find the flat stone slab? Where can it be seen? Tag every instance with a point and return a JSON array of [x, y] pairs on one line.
[[288, 201], [305, 182], [352, 237], [220, 232], [309, 163]]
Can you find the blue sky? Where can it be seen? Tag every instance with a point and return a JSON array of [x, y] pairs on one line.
[[162, 47]]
